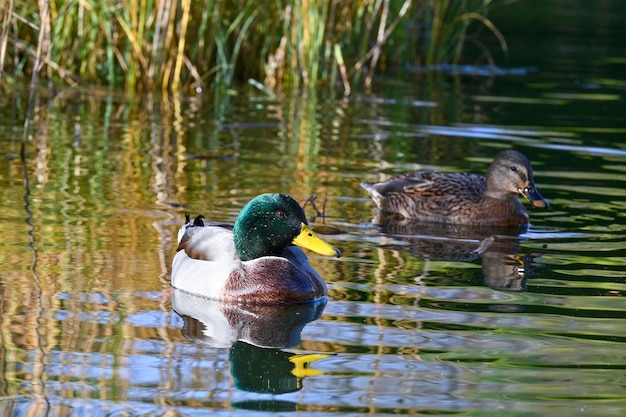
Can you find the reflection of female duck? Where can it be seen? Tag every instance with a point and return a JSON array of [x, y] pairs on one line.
[[255, 261], [461, 197], [503, 266]]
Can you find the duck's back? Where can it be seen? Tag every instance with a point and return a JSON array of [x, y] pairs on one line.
[[441, 187], [205, 260], [445, 198], [208, 243]]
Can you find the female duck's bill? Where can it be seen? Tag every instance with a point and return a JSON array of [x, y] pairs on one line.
[[532, 195]]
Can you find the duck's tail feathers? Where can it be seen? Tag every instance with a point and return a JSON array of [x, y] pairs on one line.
[[197, 222]]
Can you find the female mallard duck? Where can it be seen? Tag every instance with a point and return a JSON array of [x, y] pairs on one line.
[[255, 261], [463, 198]]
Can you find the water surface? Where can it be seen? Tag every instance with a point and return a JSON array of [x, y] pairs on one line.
[[415, 324]]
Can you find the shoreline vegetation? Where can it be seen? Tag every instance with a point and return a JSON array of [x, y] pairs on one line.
[[190, 45]]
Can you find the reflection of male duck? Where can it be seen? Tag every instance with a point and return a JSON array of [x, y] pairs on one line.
[[220, 324], [255, 334], [503, 267], [270, 370]]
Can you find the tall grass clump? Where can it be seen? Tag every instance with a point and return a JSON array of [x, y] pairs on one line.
[[188, 45]]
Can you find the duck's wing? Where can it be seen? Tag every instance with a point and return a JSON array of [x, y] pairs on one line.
[[207, 243], [415, 182], [428, 195], [425, 184], [436, 185], [205, 260]]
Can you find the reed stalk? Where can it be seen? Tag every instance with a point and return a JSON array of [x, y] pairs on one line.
[[190, 45]]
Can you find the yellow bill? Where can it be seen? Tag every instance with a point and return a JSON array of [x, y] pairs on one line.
[[309, 240]]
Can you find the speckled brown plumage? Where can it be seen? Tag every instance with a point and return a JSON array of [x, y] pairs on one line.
[[462, 197]]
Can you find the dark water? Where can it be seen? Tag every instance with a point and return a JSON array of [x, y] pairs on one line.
[[415, 324]]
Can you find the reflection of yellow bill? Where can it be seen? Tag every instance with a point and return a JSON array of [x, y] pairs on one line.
[[309, 240], [302, 364]]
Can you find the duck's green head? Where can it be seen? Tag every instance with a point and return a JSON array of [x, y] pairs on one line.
[[271, 222]]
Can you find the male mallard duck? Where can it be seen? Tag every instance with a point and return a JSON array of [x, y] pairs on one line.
[[462, 197], [255, 261]]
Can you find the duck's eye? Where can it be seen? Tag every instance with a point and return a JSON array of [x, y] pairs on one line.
[[281, 214], [514, 169]]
